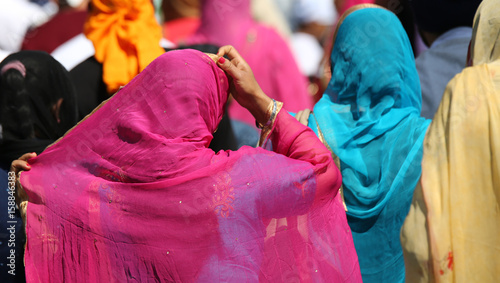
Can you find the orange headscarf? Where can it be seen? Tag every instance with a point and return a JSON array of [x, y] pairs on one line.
[[126, 38]]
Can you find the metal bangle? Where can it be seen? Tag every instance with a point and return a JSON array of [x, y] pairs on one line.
[[271, 118]]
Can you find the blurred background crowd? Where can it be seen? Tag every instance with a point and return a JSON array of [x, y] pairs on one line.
[[100, 45]]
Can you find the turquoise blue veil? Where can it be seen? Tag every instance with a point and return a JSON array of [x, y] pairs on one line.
[[370, 117]]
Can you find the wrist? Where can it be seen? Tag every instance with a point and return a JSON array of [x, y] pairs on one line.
[[261, 108], [270, 116]]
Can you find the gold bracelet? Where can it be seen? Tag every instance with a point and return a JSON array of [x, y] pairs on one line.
[[271, 113]]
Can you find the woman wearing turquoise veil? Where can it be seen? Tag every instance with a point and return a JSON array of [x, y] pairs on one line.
[[369, 116]]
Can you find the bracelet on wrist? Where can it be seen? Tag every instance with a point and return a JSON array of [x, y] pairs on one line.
[[271, 113]]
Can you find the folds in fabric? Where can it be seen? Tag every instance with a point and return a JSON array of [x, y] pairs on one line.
[[461, 181], [369, 115], [29, 100], [457, 210], [226, 22], [133, 193], [126, 38]]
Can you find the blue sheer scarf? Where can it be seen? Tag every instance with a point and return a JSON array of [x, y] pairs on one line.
[[370, 118]]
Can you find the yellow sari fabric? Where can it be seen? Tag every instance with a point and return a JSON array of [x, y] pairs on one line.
[[126, 38], [485, 42], [452, 233]]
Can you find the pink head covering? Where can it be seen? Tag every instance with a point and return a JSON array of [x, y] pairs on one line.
[[226, 22], [133, 193]]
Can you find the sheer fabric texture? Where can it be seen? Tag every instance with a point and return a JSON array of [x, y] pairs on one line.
[[369, 116], [451, 234], [133, 193], [267, 53]]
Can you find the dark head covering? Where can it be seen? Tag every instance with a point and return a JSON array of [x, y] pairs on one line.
[[439, 16], [31, 84]]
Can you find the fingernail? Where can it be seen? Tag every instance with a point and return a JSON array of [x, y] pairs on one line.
[[27, 164], [222, 60]]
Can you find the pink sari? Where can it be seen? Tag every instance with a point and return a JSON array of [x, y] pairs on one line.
[[133, 193], [229, 22]]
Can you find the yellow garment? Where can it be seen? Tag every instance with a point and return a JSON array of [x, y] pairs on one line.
[[126, 38], [415, 242], [485, 43], [461, 179], [452, 233]]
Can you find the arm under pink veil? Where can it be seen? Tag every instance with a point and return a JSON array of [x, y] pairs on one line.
[[280, 217], [315, 243], [299, 223], [167, 212], [296, 141]]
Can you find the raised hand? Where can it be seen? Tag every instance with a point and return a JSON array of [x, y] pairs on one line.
[[243, 86]]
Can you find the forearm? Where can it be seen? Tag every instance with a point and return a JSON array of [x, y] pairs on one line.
[[289, 137], [259, 106]]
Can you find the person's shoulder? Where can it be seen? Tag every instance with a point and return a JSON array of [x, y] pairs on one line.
[[427, 57], [472, 72]]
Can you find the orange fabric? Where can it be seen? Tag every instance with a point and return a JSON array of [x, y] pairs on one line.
[[126, 38]]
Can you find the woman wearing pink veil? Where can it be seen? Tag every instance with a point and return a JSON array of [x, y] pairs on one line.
[[230, 22], [132, 193]]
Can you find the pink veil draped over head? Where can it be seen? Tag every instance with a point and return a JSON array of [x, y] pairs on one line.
[[226, 22], [133, 193]]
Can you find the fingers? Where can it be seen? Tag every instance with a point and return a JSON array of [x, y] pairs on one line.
[[22, 163], [235, 65], [228, 51], [229, 68], [303, 116], [28, 156], [16, 167]]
